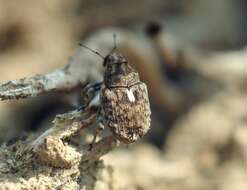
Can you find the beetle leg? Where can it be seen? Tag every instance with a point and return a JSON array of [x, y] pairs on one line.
[[93, 87], [97, 132], [91, 96]]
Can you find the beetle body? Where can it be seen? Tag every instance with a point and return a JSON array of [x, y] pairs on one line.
[[124, 100]]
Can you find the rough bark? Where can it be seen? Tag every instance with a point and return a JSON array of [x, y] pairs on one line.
[[50, 161]]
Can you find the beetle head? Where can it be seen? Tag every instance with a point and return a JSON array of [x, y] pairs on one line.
[[118, 71], [116, 64]]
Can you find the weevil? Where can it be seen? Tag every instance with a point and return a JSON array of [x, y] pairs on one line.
[[122, 99]]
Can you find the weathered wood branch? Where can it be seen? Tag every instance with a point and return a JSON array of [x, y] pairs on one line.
[[50, 161], [39, 84]]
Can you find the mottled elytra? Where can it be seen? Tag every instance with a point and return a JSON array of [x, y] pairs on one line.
[[122, 99]]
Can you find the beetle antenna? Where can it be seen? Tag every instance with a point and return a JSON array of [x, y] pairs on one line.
[[97, 53], [115, 43]]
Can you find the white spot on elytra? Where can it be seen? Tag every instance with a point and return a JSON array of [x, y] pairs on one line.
[[130, 95]]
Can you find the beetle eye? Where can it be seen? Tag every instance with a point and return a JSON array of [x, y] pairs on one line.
[[104, 63], [106, 60]]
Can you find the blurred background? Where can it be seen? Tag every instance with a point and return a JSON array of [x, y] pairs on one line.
[[192, 54]]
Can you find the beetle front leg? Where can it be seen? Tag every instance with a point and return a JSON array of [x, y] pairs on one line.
[[100, 128], [91, 96]]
